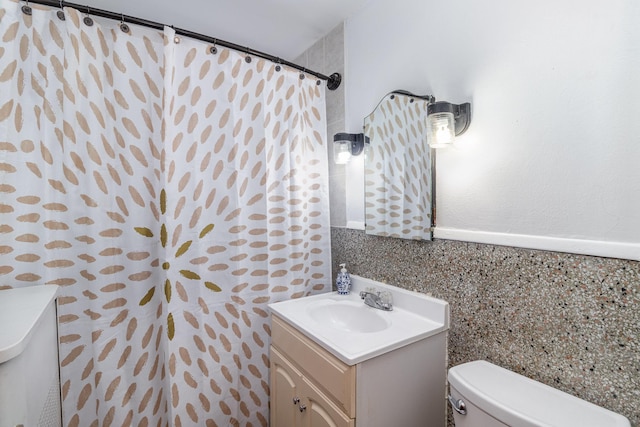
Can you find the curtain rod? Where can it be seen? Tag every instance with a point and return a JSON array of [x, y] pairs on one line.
[[333, 81]]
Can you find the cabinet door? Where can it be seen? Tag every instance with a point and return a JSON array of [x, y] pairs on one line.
[[319, 410], [335, 378], [285, 393]]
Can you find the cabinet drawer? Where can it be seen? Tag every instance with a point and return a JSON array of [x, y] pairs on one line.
[[335, 378]]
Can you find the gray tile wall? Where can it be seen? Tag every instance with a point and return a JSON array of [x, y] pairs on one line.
[[327, 57], [569, 321]]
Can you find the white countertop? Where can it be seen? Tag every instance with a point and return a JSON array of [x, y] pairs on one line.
[[20, 312], [415, 316]]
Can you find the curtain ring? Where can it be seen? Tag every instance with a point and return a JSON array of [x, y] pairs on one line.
[[302, 74], [123, 26], [248, 57], [26, 9], [87, 19], [213, 49], [176, 38], [278, 62], [60, 13]]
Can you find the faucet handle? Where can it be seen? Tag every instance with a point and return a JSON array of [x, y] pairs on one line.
[[369, 291], [386, 298]]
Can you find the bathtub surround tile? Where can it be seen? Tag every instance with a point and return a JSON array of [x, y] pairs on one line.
[[303, 59], [334, 63], [337, 178], [334, 49], [316, 57], [569, 321], [327, 57], [335, 103]]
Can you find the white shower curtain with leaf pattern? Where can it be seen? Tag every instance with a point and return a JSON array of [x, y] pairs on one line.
[[172, 189]]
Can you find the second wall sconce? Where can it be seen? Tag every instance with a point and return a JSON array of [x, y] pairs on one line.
[[347, 145], [445, 121]]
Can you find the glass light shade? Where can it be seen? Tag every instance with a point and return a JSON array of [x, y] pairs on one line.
[[341, 152], [441, 129], [368, 151]]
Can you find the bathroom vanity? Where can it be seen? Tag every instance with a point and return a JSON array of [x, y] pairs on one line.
[[337, 362], [309, 387], [29, 372]]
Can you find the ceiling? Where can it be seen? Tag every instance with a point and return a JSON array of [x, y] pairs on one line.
[[283, 28]]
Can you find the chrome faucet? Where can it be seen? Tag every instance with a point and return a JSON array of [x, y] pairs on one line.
[[377, 299]]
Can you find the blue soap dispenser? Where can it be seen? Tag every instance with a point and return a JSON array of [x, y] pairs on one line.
[[343, 281]]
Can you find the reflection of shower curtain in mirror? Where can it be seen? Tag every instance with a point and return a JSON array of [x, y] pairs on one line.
[[172, 193], [398, 182]]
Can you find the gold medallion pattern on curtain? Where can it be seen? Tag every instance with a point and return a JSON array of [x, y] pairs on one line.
[[172, 192]]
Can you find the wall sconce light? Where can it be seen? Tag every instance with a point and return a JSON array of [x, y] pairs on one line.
[[445, 121], [347, 145]]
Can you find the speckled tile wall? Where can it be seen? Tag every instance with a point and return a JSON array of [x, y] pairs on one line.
[[569, 321]]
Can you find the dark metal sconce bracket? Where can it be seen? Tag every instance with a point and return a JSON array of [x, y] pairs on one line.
[[462, 117], [356, 141]]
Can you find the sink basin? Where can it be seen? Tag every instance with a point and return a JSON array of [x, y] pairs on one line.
[[348, 316], [355, 332]]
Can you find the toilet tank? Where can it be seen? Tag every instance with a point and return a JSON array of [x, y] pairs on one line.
[[494, 397]]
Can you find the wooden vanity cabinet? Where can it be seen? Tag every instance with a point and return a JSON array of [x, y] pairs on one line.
[[310, 387], [285, 391], [295, 401]]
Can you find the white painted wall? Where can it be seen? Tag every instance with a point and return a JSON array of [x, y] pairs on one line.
[[552, 157]]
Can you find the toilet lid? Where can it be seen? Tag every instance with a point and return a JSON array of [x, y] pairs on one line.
[[517, 400]]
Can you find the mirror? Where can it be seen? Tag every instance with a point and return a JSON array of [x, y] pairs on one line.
[[399, 183]]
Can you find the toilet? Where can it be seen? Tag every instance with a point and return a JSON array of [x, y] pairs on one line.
[[486, 395]]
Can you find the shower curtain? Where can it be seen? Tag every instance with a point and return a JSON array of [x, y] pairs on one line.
[[172, 189]]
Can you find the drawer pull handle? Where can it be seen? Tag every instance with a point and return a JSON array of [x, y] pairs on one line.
[[296, 400], [302, 408]]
